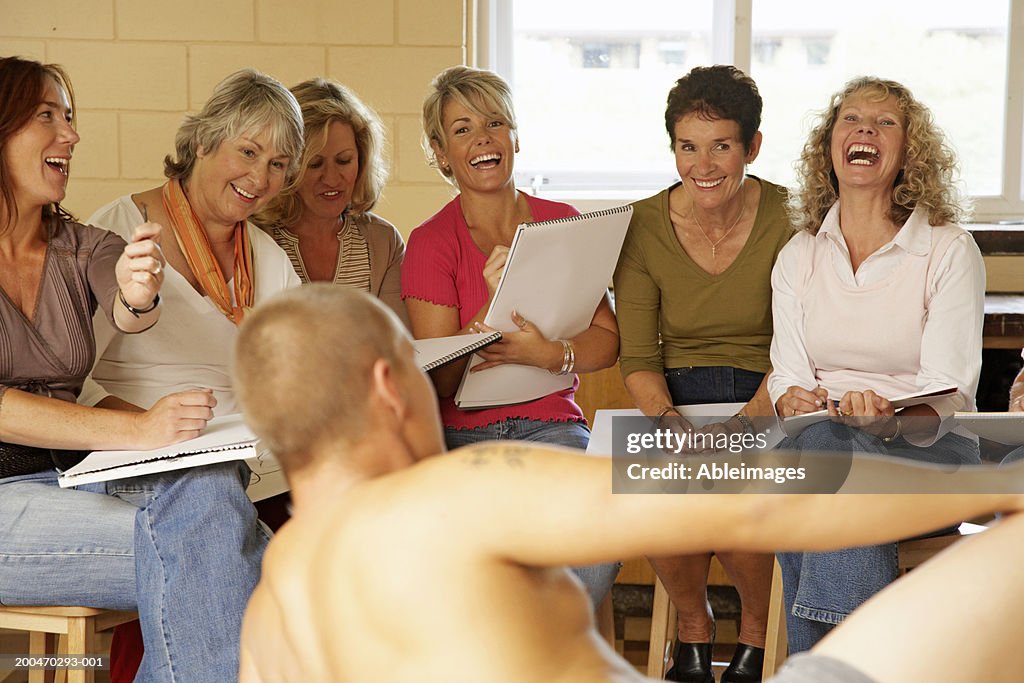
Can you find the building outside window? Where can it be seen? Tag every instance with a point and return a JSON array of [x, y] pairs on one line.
[[590, 81]]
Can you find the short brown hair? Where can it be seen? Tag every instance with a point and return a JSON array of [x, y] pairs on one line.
[[716, 92]]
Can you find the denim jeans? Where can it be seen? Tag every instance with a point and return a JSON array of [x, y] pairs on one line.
[[596, 578], [821, 589], [182, 548], [715, 384]]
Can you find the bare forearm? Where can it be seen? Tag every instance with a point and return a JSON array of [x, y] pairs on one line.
[[821, 522], [51, 423], [597, 347], [649, 392], [761, 403], [429, 321], [116, 403]]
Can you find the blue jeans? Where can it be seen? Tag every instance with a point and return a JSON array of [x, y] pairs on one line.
[[182, 548], [821, 589], [596, 578], [717, 384]]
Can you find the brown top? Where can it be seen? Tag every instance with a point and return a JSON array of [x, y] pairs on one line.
[[51, 354]]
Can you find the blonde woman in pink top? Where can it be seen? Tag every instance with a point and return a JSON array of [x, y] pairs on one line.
[[880, 294], [455, 258]]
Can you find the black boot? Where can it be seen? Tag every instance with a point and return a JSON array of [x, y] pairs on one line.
[[746, 665], [691, 663]]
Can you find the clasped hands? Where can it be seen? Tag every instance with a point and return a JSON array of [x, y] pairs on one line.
[[862, 410]]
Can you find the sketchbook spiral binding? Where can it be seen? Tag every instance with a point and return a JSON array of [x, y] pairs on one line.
[[584, 216], [462, 351]]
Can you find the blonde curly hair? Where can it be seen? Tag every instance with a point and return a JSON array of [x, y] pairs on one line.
[[928, 178]]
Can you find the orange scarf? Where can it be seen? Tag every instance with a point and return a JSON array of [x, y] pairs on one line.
[[194, 243]]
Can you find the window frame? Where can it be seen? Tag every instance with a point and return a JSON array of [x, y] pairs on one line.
[[732, 43]]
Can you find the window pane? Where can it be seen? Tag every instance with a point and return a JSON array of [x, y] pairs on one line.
[[590, 81], [951, 55]]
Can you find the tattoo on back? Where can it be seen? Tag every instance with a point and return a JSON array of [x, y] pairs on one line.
[[511, 455]]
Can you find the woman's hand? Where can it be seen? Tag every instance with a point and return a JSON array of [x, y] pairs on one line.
[[140, 270], [494, 267], [867, 411], [174, 418], [798, 400], [525, 347]]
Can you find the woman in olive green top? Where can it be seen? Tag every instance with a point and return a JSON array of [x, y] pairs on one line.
[[693, 299]]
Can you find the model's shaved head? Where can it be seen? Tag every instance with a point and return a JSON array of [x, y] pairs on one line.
[[303, 367]]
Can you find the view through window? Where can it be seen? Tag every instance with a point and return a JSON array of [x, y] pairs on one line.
[[590, 80]]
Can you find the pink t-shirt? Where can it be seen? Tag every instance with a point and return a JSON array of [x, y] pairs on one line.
[[444, 266]]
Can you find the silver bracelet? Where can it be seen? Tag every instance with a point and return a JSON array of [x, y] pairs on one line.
[[568, 358], [748, 425], [896, 434]]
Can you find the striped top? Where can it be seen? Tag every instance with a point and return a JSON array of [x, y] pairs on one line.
[[353, 266]]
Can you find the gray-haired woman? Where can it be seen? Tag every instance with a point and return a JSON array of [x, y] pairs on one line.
[[230, 160]]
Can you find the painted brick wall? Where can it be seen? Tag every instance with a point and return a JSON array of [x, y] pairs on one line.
[[139, 65]]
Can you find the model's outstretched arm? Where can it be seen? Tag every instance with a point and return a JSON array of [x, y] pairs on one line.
[[543, 506]]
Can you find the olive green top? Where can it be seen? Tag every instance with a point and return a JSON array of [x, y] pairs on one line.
[[703, 319]]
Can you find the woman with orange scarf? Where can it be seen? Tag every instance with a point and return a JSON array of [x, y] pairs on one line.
[[230, 160]]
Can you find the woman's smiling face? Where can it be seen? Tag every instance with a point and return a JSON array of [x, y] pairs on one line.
[[237, 179], [479, 149], [868, 142], [711, 159], [38, 156]]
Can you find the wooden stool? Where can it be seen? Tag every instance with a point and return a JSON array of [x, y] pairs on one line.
[[663, 621], [912, 553], [663, 632], [76, 628]]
